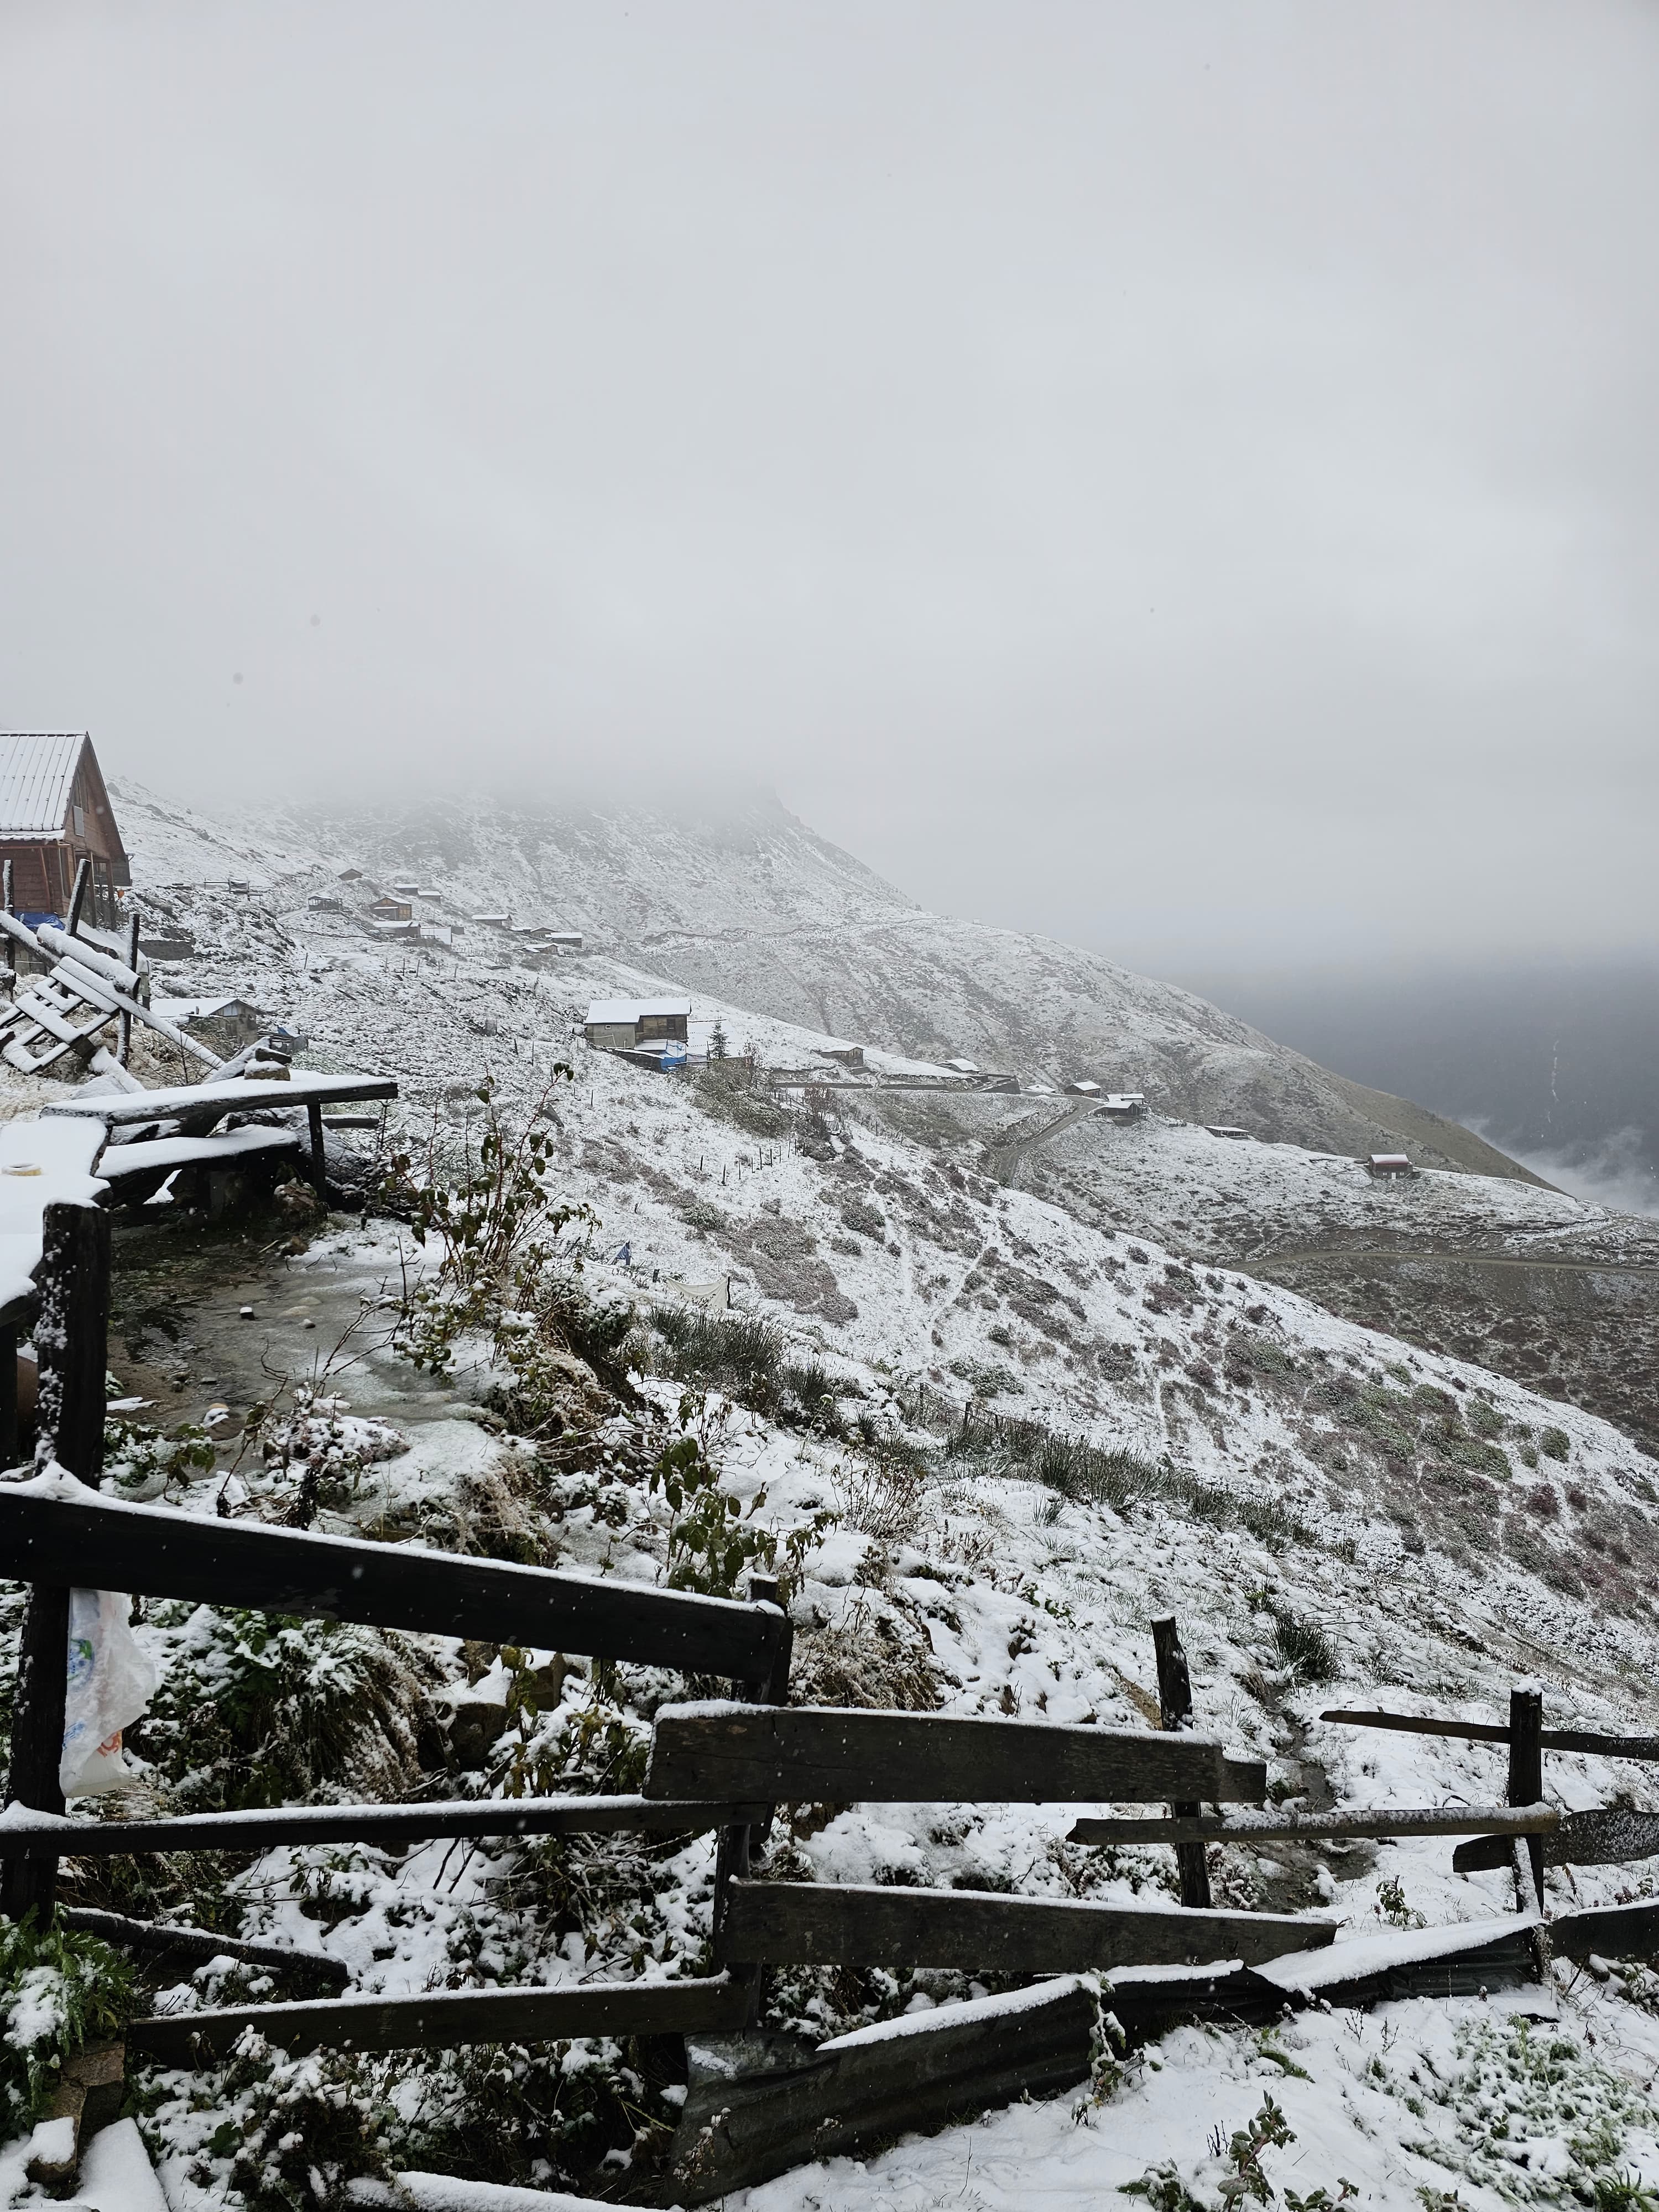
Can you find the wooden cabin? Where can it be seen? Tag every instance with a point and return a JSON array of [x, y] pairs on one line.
[[620, 1024], [55, 813]]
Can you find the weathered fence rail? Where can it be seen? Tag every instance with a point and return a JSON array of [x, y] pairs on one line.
[[873, 1924], [438, 2020], [1497, 1822], [1582, 1740], [49, 1836], [845, 1756], [100, 1543]]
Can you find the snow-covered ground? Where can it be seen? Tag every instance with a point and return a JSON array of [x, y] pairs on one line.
[[1335, 1517]]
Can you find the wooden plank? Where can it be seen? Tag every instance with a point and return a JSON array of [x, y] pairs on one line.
[[262, 1831], [181, 1950], [1612, 1836], [1498, 1821], [1607, 1931], [756, 2103], [440, 2019], [869, 1924], [1174, 1699], [1581, 1739], [753, 2101], [220, 1148], [793, 1754], [214, 1099], [155, 1551]]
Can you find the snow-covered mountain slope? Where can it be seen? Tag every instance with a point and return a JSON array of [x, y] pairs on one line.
[[1277, 1208], [749, 905], [1084, 1418]]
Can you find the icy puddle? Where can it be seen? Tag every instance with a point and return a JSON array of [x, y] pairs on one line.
[[215, 1319]]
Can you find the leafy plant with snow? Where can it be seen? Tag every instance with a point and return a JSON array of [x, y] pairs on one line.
[[256, 1709], [492, 1213], [713, 1539], [1532, 2116], [141, 1463], [58, 1991]]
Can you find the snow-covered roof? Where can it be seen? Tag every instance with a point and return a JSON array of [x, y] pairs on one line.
[[621, 1011], [37, 773], [196, 1009]]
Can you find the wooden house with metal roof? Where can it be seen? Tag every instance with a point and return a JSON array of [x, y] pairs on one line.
[[54, 813]]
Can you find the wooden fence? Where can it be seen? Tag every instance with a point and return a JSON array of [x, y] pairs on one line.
[[724, 1765]]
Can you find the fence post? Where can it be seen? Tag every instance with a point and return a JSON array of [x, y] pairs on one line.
[[737, 1845], [71, 1338], [1525, 1787], [71, 1341], [319, 1154], [1175, 1699], [9, 1394]]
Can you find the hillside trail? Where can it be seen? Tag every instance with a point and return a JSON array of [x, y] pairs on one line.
[[1010, 1154]]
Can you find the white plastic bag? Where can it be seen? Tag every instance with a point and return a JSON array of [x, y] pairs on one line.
[[110, 1681]]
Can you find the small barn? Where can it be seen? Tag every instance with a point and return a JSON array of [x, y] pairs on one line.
[[54, 813], [1390, 1163], [620, 1024], [392, 909]]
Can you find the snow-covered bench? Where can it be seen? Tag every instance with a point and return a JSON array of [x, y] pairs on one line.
[[147, 1135]]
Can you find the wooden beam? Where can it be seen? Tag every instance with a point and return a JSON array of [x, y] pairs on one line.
[[262, 1831], [1607, 1931], [869, 1924], [441, 2020], [1174, 1699], [752, 2108], [793, 1754], [1581, 1739], [1499, 1821], [105, 1544], [181, 1950]]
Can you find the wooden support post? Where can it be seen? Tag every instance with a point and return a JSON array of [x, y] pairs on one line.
[[71, 1338], [7, 897], [37, 1742], [124, 1049], [71, 1342], [1527, 1788], [319, 1159], [77, 898], [737, 1846], [1175, 1699]]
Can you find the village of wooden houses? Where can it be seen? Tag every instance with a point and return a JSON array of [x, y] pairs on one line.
[[616, 1597]]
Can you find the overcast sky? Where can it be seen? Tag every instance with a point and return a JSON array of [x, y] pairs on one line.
[[1179, 477]]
